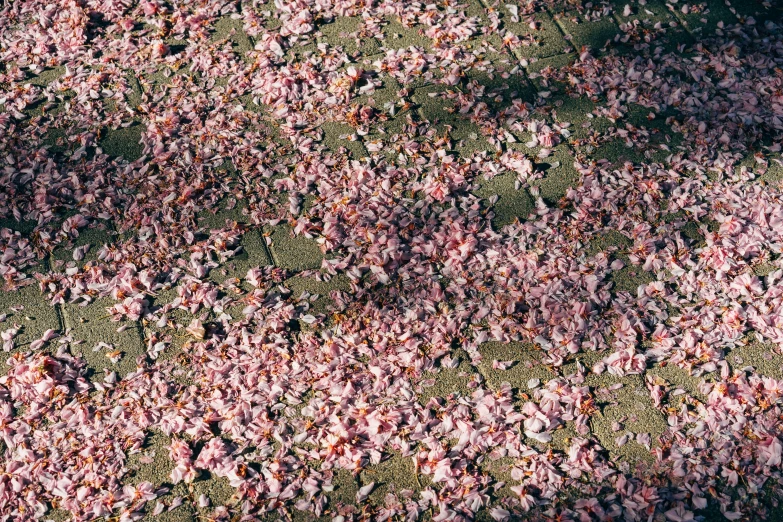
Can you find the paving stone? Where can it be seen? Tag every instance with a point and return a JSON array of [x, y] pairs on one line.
[[295, 253], [706, 21], [37, 316], [546, 36], [512, 203], [345, 32], [337, 136], [177, 341], [617, 152], [582, 33], [495, 62], [47, 76], [649, 139], [534, 69], [393, 474], [611, 242], [123, 142], [92, 325], [500, 470], [632, 407], [345, 489], [254, 254], [763, 357], [651, 12], [398, 36], [56, 141], [96, 238], [232, 29], [134, 97], [630, 278], [388, 91], [152, 464], [650, 26], [526, 365], [318, 290], [390, 120], [502, 87], [760, 10], [216, 489], [444, 382], [436, 108], [576, 111], [560, 174], [220, 217], [25, 227], [183, 513], [680, 378], [773, 174]]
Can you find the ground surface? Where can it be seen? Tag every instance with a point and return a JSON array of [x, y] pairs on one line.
[[350, 260]]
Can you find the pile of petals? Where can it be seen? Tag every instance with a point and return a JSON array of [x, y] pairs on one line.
[[278, 398]]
